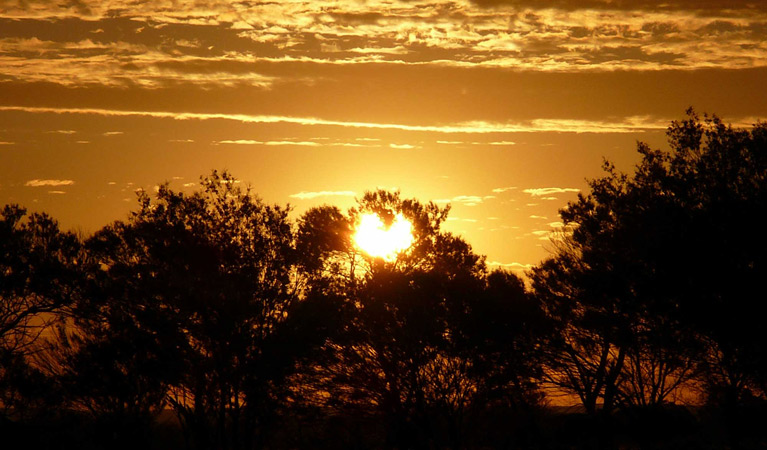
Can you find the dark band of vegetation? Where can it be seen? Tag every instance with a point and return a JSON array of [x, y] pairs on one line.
[[212, 321]]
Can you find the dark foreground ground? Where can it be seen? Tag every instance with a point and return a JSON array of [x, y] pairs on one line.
[[670, 427]]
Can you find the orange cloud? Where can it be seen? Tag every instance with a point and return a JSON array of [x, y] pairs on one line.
[[38, 183], [625, 125], [303, 195], [548, 191]]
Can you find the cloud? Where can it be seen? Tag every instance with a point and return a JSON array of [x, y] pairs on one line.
[[240, 142], [468, 200], [504, 189], [533, 216], [38, 183], [626, 125], [351, 144], [113, 133], [303, 195], [513, 266], [119, 63], [401, 146], [155, 47], [536, 192], [57, 192], [7, 143], [271, 143], [300, 143], [710, 6], [398, 50]]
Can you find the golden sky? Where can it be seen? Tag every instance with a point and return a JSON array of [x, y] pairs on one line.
[[500, 107]]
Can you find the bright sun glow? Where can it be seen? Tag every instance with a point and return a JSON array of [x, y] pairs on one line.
[[375, 240]]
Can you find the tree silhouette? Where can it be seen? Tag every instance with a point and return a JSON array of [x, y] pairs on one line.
[[194, 304], [38, 279], [412, 346], [658, 280]]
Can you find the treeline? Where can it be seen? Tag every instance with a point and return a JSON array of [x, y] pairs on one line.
[[211, 320]]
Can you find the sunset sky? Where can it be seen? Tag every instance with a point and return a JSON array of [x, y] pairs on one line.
[[502, 108]]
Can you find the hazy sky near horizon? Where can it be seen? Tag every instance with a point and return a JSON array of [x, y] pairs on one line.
[[500, 107]]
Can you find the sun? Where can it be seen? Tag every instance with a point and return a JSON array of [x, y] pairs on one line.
[[376, 240]]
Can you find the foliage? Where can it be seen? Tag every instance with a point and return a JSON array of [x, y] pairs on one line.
[[416, 346], [38, 266], [657, 280], [192, 305]]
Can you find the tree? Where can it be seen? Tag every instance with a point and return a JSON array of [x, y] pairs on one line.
[[193, 303], [658, 280], [411, 347], [38, 280], [587, 349], [502, 331]]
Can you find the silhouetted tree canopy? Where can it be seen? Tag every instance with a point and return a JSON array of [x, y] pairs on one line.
[[416, 345], [38, 266], [193, 304], [658, 281]]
